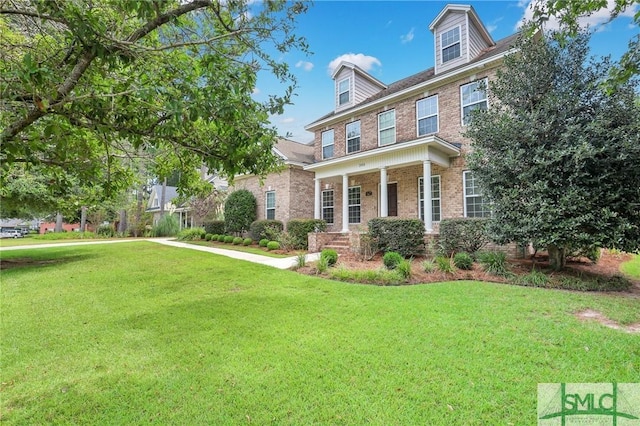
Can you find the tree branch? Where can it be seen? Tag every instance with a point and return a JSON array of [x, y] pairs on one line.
[[32, 15]]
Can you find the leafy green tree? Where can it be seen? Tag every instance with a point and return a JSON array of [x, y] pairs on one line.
[[86, 86], [557, 154], [240, 210]]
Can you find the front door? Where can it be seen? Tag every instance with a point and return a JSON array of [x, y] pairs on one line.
[[392, 199]]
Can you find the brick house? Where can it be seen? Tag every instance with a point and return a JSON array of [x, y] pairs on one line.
[[284, 195], [372, 152]]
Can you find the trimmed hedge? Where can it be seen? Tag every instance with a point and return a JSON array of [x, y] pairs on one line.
[[405, 236], [330, 256], [265, 228], [391, 259], [298, 229], [215, 227], [228, 239], [273, 245], [263, 242], [463, 235], [247, 242], [240, 209], [237, 241]]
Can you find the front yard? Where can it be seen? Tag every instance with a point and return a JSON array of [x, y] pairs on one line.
[[138, 332]]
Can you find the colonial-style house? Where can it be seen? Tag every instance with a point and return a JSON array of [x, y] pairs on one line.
[[374, 150], [170, 197], [283, 195]]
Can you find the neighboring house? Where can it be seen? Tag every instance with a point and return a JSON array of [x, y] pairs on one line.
[[374, 149], [283, 195], [170, 197], [46, 227]]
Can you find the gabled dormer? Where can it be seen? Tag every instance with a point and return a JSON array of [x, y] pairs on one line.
[[459, 36], [353, 85]]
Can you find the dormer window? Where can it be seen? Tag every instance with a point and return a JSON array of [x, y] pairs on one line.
[[450, 45], [343, 91]]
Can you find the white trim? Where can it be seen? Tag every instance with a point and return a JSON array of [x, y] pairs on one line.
[[442, 46], [266, 204], [432, 198], [332, 144], [354, 205], [486, 97], [437, 115], [333, 205], [348, 91], [346, 135], [387, 128]]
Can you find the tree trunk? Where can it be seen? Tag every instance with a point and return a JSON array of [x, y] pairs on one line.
[[122, 226], [58, 223], [557, 257], [83, 219], [138, 212], [163, 196]]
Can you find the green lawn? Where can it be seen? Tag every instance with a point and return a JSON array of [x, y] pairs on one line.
[[138, 332]]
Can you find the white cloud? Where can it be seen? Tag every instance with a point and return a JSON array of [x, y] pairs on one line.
[[288, 120], [406, 38], [491, 28], [363, 61], [256, 91], [307, 66], [594, 20]]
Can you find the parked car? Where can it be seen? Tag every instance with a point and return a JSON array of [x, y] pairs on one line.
[[13, 233]]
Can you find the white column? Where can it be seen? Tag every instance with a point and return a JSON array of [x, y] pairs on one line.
[[426, 180], [317, 201], [345, 203], [384, 198]]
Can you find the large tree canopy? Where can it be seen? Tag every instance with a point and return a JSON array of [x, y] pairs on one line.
[[557, 154], [86, 87]]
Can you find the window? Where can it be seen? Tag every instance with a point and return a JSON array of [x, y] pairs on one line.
[[327, 206], [473, 97], [435, 198], [327, 144], [475, 205], [427, 111], [353, 137], [387, 128], [450, 43], [354, 204], [343, 91], [270, 205]]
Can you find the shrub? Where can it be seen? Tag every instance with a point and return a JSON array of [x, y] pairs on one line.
[[429, 266], [239, 211], [405, 236], [366, 276], [322, 265], [368, 246], [391, 259], [404, 268], [266, 228], [208, 237], [330, 255], [228, 239], [444, 264], [532, 279], [263, 242], [462, 260], [106, 231], [299, 228], [167, 226], [301, 260], [286, 240], [221, 238], [273, 245], [494, 263], [463, 235], [247, 242], [215, 227], [190, 234], [237, 241]]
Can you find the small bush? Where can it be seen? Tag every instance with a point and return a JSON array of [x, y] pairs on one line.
[[214, 227], [404, 268], [190, 234], [266, 228], [208, 237], [429, 266], [366, 276], [404, 236], [299, 228], [167, 226], [322, 265], [301, 260], [106, 231], [273, 245], [494, 263], [532, 279], [237, 241], [263, 242], [463, 261], [221, 238], [247, 242], [228, 239], [444, 264], [392, 259], [462, 235], [330, 255], [286, 240]]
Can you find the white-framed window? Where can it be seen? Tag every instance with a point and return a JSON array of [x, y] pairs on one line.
[[387, 128], [475, 205], [270, 204], [327, 206], [450, 44], [353, 137], [435, 198], [473, 96], [344, 91], [427, 115], [327, 144], [354, 204]]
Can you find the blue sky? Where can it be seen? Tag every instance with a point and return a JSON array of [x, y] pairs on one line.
[[391, 40]]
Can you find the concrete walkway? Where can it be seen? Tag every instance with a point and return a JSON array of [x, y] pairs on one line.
[[280, 263]]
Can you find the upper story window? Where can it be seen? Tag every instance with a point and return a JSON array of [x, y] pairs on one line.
[[474, 96], [327, 144], [450, 44], [353, 137], [344, 91], [387, 128], [475, 205], [427, 115], [270, 205]]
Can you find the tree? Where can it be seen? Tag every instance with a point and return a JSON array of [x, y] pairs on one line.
[[87, 86], [557, 154], [240, 210], [569, 12]]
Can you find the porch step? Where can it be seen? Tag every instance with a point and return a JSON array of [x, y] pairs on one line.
[[340, 243]]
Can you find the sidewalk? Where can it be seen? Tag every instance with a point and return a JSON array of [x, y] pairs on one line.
[[280, 263]]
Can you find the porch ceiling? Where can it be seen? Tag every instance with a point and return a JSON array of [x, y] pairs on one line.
[[402, 154]]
